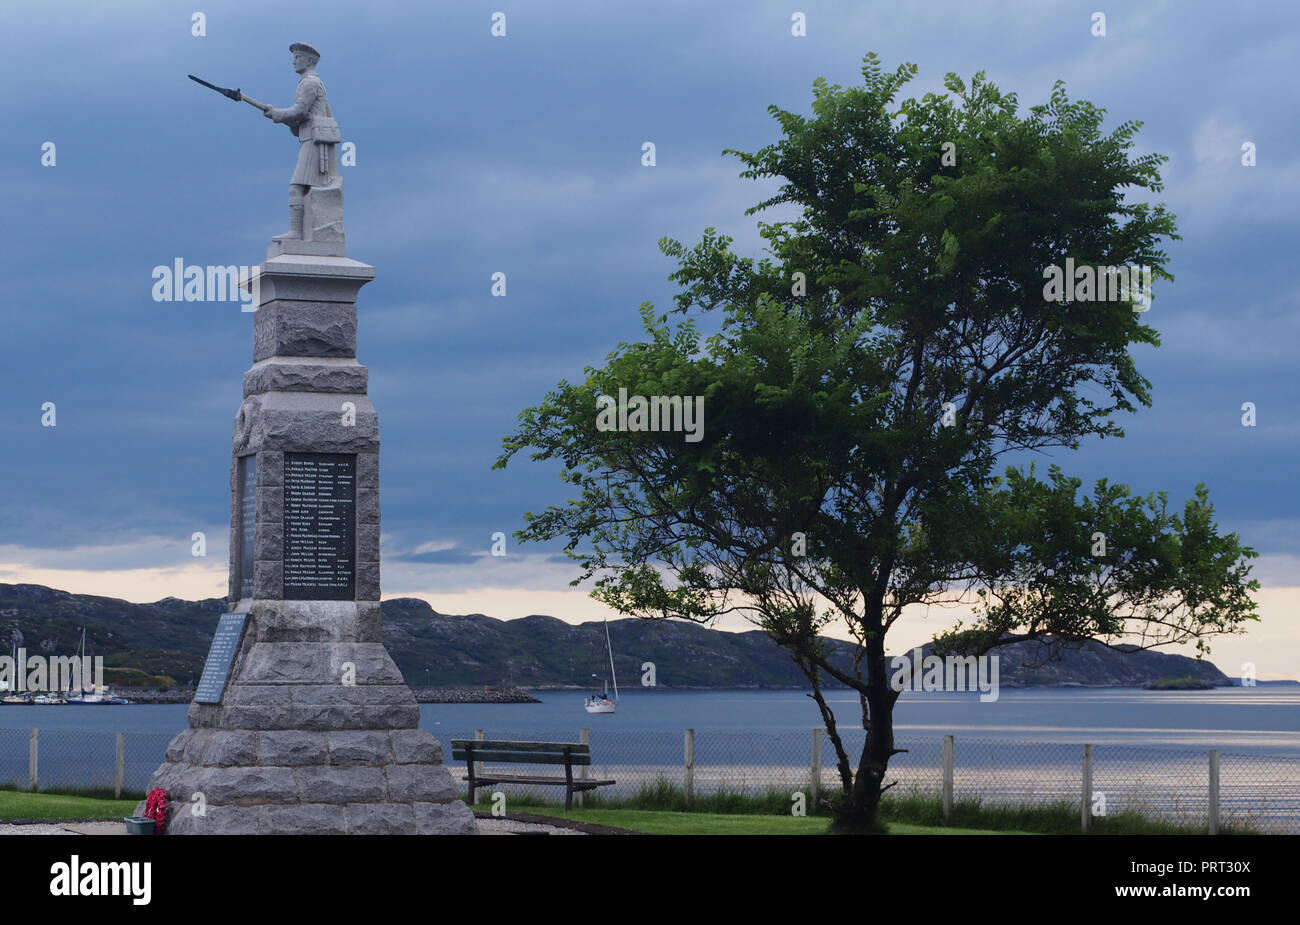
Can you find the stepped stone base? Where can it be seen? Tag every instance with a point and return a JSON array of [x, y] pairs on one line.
[[316, 732], [293, 750]]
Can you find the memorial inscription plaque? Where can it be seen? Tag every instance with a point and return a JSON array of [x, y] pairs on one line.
[[247, 522], [320, 525], [225, 643]]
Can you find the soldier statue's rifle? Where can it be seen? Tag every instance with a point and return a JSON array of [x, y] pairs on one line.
[[238, 96], [233, 94]]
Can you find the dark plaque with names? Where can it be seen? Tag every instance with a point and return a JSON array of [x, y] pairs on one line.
[[247, 521], [320, 526], [221, 654]]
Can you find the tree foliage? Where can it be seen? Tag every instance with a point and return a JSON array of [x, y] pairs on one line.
[[869, 374]]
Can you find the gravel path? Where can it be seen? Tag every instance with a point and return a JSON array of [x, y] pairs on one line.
[[35, 829], [515, 827]]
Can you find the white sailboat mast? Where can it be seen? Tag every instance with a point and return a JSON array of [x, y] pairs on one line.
[[611, 659]]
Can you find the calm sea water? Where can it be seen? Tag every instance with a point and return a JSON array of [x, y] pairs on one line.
[[1260, 720]]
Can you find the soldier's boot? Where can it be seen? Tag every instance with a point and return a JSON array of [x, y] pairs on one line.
[[295, 225]]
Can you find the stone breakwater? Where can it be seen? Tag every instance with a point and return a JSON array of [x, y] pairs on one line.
[[422, 695], [156, 695], [472, 695]]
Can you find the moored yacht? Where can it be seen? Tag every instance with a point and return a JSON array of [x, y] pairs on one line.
[[600, 703]]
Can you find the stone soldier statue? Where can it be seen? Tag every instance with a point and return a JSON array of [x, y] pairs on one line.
[[316, 188]]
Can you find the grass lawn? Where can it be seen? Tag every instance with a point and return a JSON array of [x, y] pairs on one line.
[[16, 804], [656, 822]]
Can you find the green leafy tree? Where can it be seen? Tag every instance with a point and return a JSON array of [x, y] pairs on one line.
[[866, 378], [1111, 567]]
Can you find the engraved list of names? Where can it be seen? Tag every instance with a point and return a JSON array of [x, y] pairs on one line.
[[320, 494], [247, 522]]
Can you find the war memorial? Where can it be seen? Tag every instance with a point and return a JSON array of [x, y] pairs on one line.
[[301, 722]]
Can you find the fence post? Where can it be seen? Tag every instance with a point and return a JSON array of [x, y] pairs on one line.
[[33, 780], [690, 767], [816, 768], [1085, 803], [1214, 791], [947, 778], [121, 765], [478, 735], [584, 736]]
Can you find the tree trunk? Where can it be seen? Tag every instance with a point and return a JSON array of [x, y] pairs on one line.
[[860, 811], [828, 717]]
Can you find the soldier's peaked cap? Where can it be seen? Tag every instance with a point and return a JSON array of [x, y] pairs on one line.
[[306, 49]]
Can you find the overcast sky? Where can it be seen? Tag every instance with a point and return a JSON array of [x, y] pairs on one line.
[[522, 154]]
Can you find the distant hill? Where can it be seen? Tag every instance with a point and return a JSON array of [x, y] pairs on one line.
[[1093, 665], [170, 637], [542, 651]]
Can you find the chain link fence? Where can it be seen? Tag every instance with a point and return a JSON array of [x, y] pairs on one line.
[[80, 759], [1165, 783], [1262, 792], [1259, 791]]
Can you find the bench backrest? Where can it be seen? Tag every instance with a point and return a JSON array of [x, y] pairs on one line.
[[502, 750]]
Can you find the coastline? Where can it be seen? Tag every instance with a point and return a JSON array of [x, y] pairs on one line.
[[185, 695], [470, 695]]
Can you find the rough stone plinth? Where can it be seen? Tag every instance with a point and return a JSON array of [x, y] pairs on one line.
[[316, 732], [324, 213], [289, 750]]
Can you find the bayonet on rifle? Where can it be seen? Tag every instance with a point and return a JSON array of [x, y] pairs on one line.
[[233, 94]]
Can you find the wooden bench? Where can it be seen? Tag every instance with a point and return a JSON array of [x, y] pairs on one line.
[[499, 751]]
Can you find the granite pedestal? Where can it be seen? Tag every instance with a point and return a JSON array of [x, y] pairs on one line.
[[315, 732]]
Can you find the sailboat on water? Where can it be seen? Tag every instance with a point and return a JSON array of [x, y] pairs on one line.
[[600, 703], [100, 696]]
